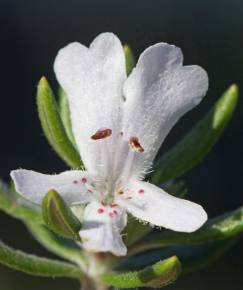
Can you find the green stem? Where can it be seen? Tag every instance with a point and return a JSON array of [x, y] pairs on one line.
[[89, 284], [98, 264]]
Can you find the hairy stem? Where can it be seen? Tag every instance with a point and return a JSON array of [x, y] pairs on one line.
[[89, 284]]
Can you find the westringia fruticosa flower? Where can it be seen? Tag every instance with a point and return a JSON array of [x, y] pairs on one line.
[[119, 124]]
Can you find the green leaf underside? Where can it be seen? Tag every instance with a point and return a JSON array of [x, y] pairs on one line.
[[58, 216], [130, 59], [176, 188], [52, 125], [155, 276], [60, 246], [192, 257], [198, 142], [14, 205], [206, 254], [135, 231], [34, 265], [65, 115], [221, 227]]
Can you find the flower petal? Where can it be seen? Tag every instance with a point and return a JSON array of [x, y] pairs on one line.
[[150, 203], [93, 79], [74, 186], [158, 92], [101, 229]]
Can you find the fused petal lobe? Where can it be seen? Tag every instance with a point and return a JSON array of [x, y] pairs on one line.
[[73, 186], [93, 79], [149, 203], [158, 92], [102, 226]]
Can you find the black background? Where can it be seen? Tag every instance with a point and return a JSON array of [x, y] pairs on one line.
[[209, 33]]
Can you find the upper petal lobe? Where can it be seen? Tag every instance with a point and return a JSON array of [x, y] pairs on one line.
[[158, 92], [93, 79]]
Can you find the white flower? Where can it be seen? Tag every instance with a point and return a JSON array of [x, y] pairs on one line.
[[119, 124]]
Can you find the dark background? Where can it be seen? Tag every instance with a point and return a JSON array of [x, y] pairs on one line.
[[209, 33]]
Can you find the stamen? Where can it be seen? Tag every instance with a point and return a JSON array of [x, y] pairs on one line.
[[115, 212], [75, 182], [129, 197], [136, 146], [113, 205], [101, 134], [120, 192], [141, 191], [117, 162]]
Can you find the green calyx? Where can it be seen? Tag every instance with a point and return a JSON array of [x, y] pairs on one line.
[[58, 216]]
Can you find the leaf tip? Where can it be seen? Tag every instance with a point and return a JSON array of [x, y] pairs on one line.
[[234, 89], [43, 82]]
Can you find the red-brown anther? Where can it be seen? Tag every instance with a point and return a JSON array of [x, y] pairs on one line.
[[101, 134], [136, 146], [113, 205]]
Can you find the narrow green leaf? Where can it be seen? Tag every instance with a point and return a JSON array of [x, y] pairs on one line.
[[34, 265], [135, 231], [206, 254], [62, 247], [59, 217], [176, 188], [221, 227], [130, 59], [192, 258], [198, 142], [13, 204], [156, 276], [52, 125], [65, 115]]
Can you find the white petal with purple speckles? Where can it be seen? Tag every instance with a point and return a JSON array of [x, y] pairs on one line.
[[101, 229], [74, 186], [152, 204]]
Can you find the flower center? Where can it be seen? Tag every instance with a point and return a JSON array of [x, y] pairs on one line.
[[117, 155]]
